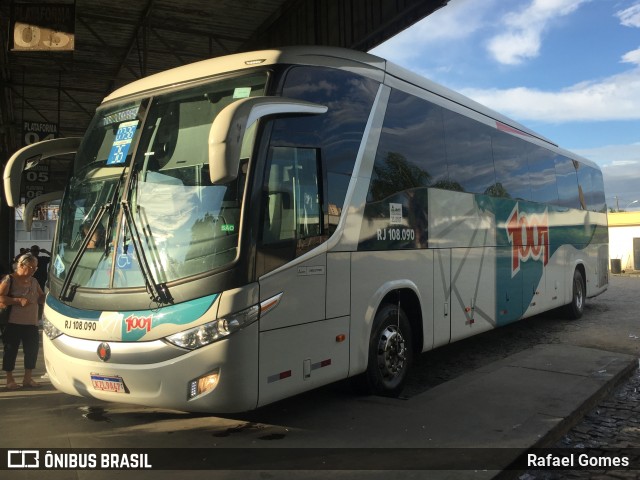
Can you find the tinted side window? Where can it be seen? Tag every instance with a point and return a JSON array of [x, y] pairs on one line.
[[292, 196], [410, 158], [469, 157], [542, 176], [512, 169], [349, 98], [591, 188], [411, 149], [291, 222], [567, 179], [338, 132]]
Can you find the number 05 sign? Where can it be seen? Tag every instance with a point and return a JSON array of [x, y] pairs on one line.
[[43, 27]]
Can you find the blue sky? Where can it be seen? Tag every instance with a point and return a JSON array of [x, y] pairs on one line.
[[568, 69]]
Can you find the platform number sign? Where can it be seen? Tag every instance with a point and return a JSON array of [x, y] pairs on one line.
[[36, 178], [34, 132]]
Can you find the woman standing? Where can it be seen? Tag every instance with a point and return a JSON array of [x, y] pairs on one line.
[[23, 293]]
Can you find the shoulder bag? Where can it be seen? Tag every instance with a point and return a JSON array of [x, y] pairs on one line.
[[5, 311]]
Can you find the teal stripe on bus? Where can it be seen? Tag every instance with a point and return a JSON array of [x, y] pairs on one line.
[[180, 313]]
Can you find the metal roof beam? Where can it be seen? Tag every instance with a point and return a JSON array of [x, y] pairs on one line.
[[104, 44], [134, 39], [167, 28]]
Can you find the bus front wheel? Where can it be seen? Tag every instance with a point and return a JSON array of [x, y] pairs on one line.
[[576, 308], [390, 352]]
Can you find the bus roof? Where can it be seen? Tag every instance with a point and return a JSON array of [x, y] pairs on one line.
[[365, 63], [338, 57]]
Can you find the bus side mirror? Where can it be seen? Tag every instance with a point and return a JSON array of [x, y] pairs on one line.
[[229, 127], [32, 204], [29, 156]]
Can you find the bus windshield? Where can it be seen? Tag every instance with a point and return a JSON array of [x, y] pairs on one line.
[[141, 188]]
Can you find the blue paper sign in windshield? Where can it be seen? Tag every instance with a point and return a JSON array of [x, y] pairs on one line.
[[122, 142]]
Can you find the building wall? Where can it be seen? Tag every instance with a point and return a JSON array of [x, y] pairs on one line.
[[41, 234], [623, 228]]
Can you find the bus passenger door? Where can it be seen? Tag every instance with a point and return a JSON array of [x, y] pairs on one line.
[[298, 347]]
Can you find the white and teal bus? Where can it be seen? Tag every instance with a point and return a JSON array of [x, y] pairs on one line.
[[246, 228]]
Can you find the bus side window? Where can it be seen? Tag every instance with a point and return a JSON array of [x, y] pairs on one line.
[[567, 178], [292, 214]]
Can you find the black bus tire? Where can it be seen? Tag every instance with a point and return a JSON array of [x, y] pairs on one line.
[[390, 352], [575, 309]]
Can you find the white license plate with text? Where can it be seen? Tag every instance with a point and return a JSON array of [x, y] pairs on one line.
[[108, 383]]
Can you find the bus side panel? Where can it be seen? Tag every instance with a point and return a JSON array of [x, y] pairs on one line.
[[375, 274], [598, 277], [576, 238], [459, 222], [299, 349], [473, 294], [441, 297], [302, 357], [557, 275], [534, 286], [338, 284], [456, 220], [603, 269], [509, 302], [303, 286]]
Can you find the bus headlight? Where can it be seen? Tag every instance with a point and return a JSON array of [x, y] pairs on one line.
[[213, 331], [50, 329]]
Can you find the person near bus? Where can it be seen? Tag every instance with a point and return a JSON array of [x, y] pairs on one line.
[[43, 265], [23, 293], [42, 272]]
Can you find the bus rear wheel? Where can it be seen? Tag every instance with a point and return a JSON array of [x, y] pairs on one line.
[[390, 352], [576, 308]]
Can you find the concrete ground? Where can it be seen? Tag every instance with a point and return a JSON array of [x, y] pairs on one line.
[[472, 426]]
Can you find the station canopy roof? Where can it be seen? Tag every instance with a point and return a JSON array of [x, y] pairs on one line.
[[53, 83]]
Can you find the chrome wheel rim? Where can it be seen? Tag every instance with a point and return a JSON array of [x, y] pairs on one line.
[[579, 295], [392, 353]]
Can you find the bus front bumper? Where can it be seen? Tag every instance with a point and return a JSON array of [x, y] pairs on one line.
[[156, 377]]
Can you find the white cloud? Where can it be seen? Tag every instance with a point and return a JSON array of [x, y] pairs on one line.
[[624, 163], [613, 156], [632, 57], [613, 98], [458, 20], [525, 28], [630, 17], [444, 40]]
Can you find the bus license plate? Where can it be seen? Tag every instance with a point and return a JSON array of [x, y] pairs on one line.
[[106, 383]]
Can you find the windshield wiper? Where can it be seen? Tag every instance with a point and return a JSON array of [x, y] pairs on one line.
[[158, 291], [110, 207]]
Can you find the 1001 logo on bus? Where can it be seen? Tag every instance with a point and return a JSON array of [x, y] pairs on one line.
[[138, 323], [529, 237]]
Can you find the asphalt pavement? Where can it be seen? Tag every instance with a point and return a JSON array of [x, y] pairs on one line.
[[529, 399]]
